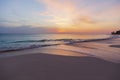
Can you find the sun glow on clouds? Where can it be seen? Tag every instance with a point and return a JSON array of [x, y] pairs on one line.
[[65, 15], [62, 11]]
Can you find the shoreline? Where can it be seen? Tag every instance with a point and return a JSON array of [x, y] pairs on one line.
[[80, 61], [107, 50], [69, 41]]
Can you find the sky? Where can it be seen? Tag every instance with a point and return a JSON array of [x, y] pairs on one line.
[[59, 16]]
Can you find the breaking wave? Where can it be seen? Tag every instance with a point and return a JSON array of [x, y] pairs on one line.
[[47, 42]]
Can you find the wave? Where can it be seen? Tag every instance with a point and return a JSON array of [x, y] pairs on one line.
[[30, 47], [93, 40], [45, 40], [65, 42]]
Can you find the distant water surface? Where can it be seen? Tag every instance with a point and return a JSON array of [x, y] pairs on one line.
[[25, 41]]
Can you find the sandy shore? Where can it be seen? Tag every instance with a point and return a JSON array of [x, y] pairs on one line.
[[64, 62], [54, 67]]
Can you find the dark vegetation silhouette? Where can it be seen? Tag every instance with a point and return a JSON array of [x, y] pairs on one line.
[[116, 33]]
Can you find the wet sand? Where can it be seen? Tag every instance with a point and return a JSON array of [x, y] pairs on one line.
[[116, 46], [54, 67]]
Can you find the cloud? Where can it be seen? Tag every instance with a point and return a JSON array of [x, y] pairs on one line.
[[26, 29], [61, 11], [110, 12], [84, 20], [66, 12], [59, 5], [79, 16], [83, 15]]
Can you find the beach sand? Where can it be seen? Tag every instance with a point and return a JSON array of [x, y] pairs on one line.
[[54, 67]]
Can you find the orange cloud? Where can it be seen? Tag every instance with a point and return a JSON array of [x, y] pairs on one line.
[[66, 15], [62, 11]]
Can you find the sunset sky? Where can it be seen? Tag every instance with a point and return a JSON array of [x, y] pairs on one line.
[[60, 16]]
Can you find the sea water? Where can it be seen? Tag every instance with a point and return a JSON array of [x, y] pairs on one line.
[[26, 41], [100, 46]]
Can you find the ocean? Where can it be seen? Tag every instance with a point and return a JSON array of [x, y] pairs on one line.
[[106, 47], [26, 41]]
